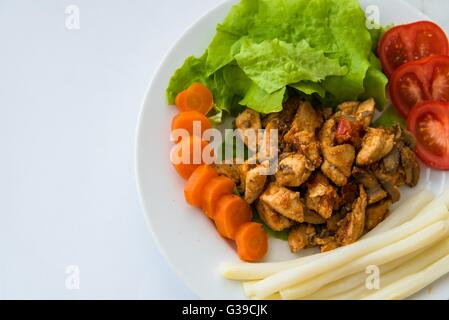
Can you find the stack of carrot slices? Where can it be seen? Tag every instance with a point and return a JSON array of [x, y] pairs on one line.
[[232, 215], [206, 189]]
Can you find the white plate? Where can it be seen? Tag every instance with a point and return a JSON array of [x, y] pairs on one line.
[[186, 238]]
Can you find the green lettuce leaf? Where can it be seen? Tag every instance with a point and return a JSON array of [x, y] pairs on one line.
[[318, 47], [236, 79], [309, 88], [219, 51], [234, 27], [193, 70], [377, 33], [228, 85], [347, 24], [261, 101], [375, 83], [274, 64], [293, 21]]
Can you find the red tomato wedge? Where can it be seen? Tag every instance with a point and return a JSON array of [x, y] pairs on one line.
[[429, 123], [411, 42], [426, 79]]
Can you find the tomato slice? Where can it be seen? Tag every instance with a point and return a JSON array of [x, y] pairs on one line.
[[429, 123], [411, 42], [425, 79]]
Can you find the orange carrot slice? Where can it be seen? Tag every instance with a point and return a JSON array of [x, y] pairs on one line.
[[185, 166], [196, 98], [252, 242], [193, 191], [186, 121], [231, 212], [214, 190]]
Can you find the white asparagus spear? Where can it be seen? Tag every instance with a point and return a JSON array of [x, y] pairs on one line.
[[354, 294], [410, 285], [341, 256], [421, 261], [257, 271], [417, 241], [342, 285], [357, 279]]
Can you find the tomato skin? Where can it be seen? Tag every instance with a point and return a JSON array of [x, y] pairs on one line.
[[411, 42], [429, 123], [349, 131], [344, 130], [417, 81]]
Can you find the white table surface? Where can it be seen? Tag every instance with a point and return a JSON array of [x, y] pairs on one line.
[[69, 102]]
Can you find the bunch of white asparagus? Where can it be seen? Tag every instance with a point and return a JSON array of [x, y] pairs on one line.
[[410, 249]]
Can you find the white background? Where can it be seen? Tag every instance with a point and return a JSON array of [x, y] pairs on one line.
[[69, 103]]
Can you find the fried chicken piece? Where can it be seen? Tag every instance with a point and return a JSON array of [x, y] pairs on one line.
[[320, 196], [313, 218], [326, 244], [346, 196], [306, 119], [272, 219], [228, 170], [242, 170], [337, 160], [342, 157], [376, 213], [365, 112], [307, 144], [255, 180], [333, 222], [302, 134], [300, 237], [293, 170], [347, 108], [371, 185], [358, 112], [376, 144], [283, 120], [334, 174], [353, 225], [284, 201], [338, 163], [248, 124], [327, 133]]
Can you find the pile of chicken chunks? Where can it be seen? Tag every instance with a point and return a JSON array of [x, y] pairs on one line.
[[336, 178]]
